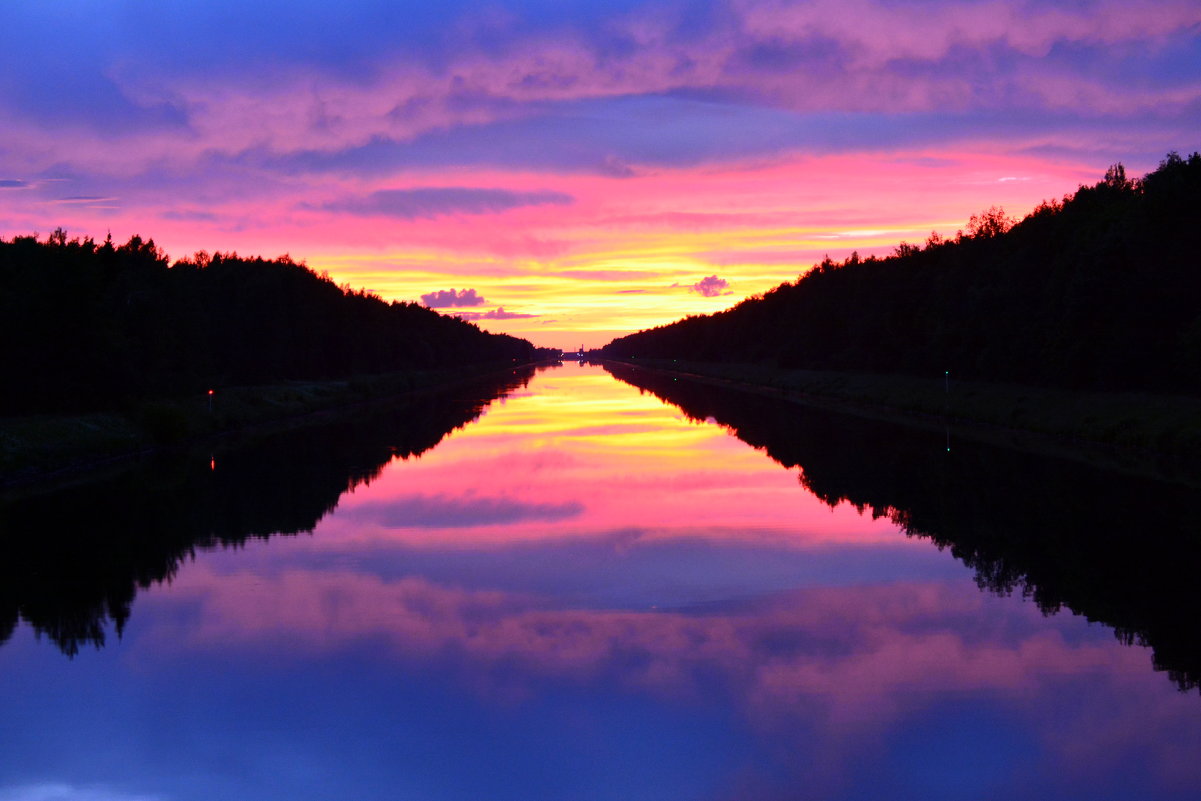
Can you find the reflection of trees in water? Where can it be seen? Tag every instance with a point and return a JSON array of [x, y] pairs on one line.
[[1118, 549], [73, 560]]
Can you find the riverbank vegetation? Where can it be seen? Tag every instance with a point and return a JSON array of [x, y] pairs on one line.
[[1141, 432], [1099, 291], [110, 349], [35, 447], [75, 554], [87, 327]]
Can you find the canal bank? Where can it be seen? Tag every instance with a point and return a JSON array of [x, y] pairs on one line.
[[48, 447], [1150, 434]]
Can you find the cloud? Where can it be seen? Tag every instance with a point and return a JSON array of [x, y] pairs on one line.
[[432, 201], [10, 183], [863, 652], [190, 216], [85, 199], [371, 74], [711, 286], [61, 791], [498, 313], [448, 298], [607, 275]]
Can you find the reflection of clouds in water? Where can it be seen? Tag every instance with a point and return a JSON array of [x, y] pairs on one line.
[[858, 649], [440, 511], [858, 662], [55, 791]]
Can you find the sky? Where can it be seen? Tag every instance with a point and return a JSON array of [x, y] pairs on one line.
[[573, 170]]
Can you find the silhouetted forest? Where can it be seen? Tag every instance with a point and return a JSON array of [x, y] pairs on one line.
[[1101, 290], [72, 561], [1117, 549], [87, 326]]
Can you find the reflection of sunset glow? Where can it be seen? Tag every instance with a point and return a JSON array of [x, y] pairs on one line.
[[625, 459], [583, 570]]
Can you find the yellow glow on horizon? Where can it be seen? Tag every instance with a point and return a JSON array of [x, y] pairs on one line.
[[661, 268], [577, 432], [625, 256]]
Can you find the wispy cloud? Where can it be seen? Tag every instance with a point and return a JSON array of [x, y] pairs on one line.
[[498, 313], [430, 202], [84, 199], [61, 791]]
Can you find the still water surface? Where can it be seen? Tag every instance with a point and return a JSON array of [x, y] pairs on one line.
[[594, 591]]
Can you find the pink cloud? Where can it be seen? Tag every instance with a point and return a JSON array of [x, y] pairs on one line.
[[296, 109], [446, 298], [711, 286]]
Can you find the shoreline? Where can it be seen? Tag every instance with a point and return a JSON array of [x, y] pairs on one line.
[[46, 449], [1157, 435]]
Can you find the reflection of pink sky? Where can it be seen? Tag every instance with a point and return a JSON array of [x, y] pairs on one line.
[[863, 659], [630, 461], [856, 661]]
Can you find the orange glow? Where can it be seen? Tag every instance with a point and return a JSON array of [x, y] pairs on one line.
[[624, 255], [625, 252], [569, 447]]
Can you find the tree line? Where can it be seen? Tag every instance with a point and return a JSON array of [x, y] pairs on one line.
[[86, 325], [1099, 290]]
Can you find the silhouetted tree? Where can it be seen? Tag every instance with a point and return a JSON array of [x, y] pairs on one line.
[[86, 327], [1099, 290]]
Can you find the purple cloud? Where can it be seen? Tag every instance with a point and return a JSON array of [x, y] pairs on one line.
[[85, 199], [11, 183], [437, 201], [448, 298], [381, 91], [711, 286], [498, 313]]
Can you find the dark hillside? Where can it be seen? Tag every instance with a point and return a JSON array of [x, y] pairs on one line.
[[86, 326], [1101, 290]]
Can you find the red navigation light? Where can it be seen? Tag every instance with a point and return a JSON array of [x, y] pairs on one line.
[[210, 392]]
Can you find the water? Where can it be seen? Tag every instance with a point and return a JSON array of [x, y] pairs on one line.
[[600, 591]]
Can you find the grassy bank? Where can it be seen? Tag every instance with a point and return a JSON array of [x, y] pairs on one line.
[[35, 447], [1124, 425]]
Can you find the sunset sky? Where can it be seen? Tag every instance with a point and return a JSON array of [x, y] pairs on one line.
[[574, 169]]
